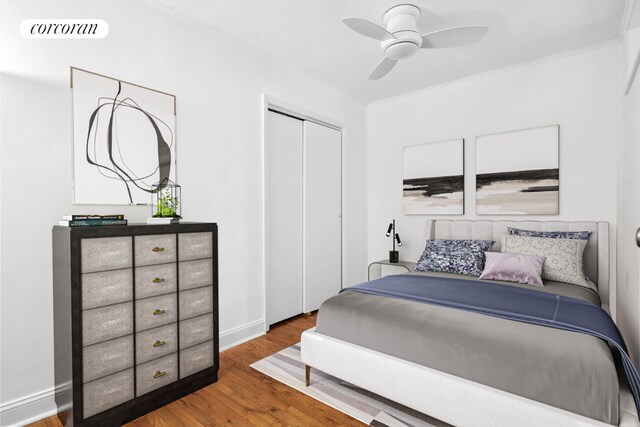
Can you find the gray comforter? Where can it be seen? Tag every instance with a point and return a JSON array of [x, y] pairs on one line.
[[568, 370]]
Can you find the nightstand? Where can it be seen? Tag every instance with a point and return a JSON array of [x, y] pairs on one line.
[[406, 265]]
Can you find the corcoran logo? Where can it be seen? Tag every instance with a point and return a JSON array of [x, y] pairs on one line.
[[64, 28]]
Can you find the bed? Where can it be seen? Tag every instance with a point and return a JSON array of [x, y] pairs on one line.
[[469, 369]]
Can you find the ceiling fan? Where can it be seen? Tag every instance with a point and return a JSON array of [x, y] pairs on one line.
[[401, 38]]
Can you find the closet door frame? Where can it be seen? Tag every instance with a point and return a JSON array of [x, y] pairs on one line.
[[271, 103]]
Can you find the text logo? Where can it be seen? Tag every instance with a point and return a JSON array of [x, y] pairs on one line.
[[64, 28]]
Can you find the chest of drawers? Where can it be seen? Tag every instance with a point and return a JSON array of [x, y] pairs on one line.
[[135, 318]]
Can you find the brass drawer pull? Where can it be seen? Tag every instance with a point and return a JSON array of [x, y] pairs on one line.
[[159, 374], [158, 249], [158, 311], [159, 280], [159, 343]]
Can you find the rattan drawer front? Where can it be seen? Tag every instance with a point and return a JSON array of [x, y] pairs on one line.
[[105, 253], [196, 302], [107, 392], [195, 359], [107, 323], [157, 342], [156, 311], [157, 373], [195, 274], [195, 245], [155, 249], [155, 280], [196, 330], [104, 359], [106, 288]]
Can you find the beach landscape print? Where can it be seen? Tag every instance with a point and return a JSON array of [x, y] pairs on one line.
[[517, 173], [433, 180]]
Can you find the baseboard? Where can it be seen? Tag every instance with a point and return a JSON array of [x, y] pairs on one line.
[[40, 405], [240, 334], [28, 409]]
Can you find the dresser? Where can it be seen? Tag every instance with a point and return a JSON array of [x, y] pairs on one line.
[[135, 318]]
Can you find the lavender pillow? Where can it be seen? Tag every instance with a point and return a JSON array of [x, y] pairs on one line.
[[518, 268], [574, 235]]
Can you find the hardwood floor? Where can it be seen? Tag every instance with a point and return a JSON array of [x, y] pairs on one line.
[[243, 396]]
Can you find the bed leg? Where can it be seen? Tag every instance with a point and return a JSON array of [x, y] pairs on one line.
[[307, 375]]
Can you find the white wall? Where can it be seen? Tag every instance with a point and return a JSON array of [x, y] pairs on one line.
[[581, 93], [628, 222], [218, 83]]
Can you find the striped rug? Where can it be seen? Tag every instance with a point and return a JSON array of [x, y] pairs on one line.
[[287, 367]]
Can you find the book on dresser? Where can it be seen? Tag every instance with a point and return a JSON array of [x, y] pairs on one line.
[[91, 222], [135, 318], [77, 217]]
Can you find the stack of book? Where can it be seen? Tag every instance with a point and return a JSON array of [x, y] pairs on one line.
[[92, 220]]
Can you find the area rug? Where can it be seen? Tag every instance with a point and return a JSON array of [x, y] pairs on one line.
[[369, 408]]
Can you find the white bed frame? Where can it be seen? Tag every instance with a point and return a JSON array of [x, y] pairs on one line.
[[453, 399]]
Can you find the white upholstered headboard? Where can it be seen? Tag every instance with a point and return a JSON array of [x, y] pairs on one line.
[[596, 253]]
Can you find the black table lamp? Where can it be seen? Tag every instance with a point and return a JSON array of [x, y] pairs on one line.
[[394, 257]]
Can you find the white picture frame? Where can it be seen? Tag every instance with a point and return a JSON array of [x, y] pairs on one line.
[[518, 172], [433, 178], [124, 140]]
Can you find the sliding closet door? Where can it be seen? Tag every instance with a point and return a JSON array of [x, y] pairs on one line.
[[322, 214], [283, 217]]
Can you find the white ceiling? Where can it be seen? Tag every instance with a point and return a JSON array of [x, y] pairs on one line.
[[309, 35]]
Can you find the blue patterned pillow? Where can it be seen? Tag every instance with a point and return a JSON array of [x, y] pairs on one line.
[[454, 256], [574, 235]]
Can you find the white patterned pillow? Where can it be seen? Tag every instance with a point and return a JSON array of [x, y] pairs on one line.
[[563, 257]]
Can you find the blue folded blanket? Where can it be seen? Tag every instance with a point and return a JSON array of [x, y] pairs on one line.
[[508, 302]]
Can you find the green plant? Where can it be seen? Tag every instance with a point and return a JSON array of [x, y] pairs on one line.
[[167, 204]]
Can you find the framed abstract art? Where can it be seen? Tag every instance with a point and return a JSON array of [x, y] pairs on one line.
[[433, 179], [517, 173], [124, 140]]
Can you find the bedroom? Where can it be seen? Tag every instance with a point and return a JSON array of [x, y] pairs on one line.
[[564, 63]]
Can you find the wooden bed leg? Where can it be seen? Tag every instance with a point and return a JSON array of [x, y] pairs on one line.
[[307, 375]]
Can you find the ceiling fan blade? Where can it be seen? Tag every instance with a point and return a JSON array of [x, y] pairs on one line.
[[368, 28], [454, 37], [383, 68]]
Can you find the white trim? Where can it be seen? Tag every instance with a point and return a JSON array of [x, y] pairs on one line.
[[241, 334], [270, 102], [29, 409], [302, 113]]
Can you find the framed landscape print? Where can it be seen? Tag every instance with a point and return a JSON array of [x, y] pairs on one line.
[[124, 140], [433, 180], [517, 173]]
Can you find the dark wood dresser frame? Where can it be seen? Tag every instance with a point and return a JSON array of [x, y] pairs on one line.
[[68, 327]]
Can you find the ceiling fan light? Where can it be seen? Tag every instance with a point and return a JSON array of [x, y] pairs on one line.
[[401, 50]]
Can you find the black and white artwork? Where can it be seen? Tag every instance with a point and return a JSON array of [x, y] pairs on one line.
[[517, 173], [124, 140], [433, 180]]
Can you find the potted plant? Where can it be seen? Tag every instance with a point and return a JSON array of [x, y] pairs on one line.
[[165, 203]]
